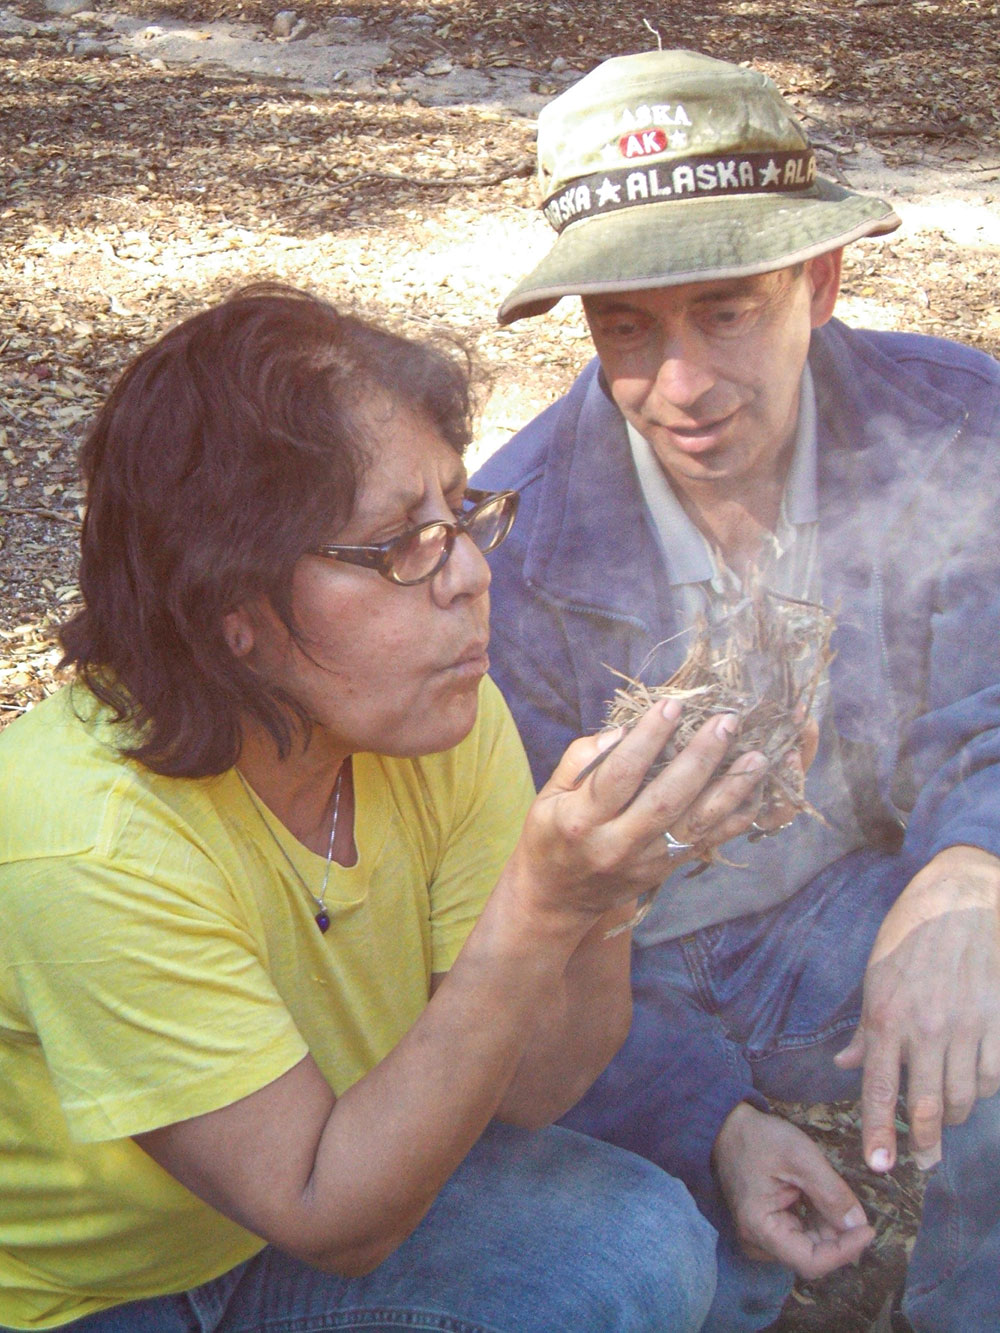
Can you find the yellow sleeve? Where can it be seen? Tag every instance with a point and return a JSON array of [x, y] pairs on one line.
[[150, 1000], [492, 790]]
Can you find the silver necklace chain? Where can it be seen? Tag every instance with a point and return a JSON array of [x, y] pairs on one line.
[[322, 917]]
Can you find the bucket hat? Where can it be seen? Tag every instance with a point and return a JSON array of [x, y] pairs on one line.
[[667, 167]]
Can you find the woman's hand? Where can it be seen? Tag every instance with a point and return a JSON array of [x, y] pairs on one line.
[[591, 846]]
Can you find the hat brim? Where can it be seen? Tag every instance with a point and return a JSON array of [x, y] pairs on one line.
[[697, 240]]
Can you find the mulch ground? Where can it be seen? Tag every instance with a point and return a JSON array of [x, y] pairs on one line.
[[131, 195]]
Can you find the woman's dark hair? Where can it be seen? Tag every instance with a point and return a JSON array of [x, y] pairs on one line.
[[226, 451]]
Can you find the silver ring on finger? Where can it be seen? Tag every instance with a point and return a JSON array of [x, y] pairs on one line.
[[675, 848]]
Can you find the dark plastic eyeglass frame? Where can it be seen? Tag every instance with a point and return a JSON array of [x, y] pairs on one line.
[[380, 555]]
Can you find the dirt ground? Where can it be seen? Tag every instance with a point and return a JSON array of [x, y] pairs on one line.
[[158, 155]]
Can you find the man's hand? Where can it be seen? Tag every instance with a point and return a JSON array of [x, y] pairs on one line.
[[787, 1201], [931, 1002], [779, 812]]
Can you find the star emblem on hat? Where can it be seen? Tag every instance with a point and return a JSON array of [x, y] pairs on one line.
[[771, 175], [677, 138], [608, 193]]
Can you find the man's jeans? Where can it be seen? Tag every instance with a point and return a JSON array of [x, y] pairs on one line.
[[546, 1232], [761, 1005]]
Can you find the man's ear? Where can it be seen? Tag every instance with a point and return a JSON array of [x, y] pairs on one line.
[[823, 273], [238, 631]]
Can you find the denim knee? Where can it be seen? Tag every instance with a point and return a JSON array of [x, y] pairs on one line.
[[952, 1279], [536, 1232], [678, 1285], [653, 1267]]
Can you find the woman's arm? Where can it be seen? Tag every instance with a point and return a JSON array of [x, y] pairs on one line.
[[534, 1005], [585, 1022], [340, 1183]]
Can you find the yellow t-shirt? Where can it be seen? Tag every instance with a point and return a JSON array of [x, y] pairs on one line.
[[159, 959]]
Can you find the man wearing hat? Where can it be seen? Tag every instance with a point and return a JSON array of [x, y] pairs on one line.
[[729, 423]]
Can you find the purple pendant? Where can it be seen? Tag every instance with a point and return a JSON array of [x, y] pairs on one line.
[[323, 921]]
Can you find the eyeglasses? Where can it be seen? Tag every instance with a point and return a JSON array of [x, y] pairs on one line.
[[417, 554]]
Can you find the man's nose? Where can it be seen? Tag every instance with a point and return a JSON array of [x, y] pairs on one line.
[[684, 373]]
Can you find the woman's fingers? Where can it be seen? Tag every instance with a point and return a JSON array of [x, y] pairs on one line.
[[575, 826], [723, 811], [688, 799], [729, 805], [698, 800], [611, 767]]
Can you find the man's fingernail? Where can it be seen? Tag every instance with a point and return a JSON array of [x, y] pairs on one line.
[[925, 1158], [727, 725], [670, 709], [879, 1160], [855, 1218]]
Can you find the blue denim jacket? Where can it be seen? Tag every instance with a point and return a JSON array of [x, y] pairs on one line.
[[909, 481]]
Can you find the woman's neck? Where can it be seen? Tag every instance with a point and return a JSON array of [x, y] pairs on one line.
[[301, 789]]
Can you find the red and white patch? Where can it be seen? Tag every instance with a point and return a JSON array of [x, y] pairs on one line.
[[642, 143]]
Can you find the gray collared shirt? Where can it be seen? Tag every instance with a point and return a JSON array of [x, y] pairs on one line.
[[690, 562], [773, 869]]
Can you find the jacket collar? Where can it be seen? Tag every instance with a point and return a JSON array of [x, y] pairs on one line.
[[592, 545], [881, 429]]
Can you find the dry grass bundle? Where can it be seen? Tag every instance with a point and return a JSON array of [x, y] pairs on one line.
[[762, 660]]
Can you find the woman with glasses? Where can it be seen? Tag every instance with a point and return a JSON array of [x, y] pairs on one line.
[[293, 965]]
